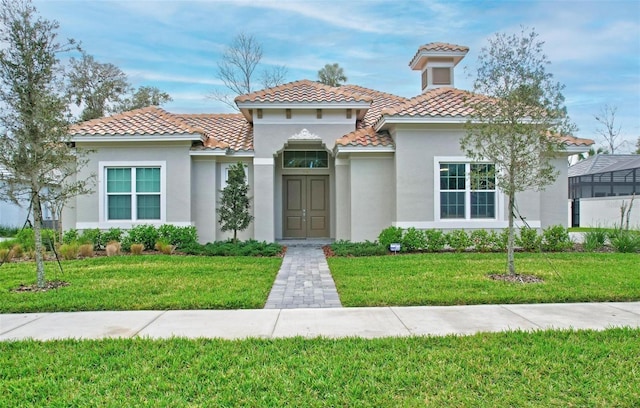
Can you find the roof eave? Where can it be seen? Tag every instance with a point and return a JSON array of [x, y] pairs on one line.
[[393, 120], [174, 137]]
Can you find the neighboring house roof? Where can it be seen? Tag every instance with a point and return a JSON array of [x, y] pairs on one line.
[[304, 91], [603, 163]]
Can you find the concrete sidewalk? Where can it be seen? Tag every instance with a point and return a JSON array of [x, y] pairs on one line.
[[333, 323]]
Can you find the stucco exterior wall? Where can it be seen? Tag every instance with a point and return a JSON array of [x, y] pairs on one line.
[[372, 195], [553, 199], [605, 211], [273, 131], [204, 197], [177, 185]]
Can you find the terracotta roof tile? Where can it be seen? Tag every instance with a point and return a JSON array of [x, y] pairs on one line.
[[381, 100], [304, 91], [365, 137], [223, 130], [146, 121], [439, 102], [441, 46], [576, 141]]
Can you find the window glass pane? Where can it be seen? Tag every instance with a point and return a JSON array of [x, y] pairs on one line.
[[148, 207], [306, 159], [483, 177], [451, 205], [148, 180], [118, 180], [483, 205], [119, 207], [452, 176]]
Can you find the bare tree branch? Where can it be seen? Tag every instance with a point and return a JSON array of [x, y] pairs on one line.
[[607, 129]]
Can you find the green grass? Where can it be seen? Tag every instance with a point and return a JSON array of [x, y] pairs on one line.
[[143, 283], [517, 369], [455, 279]]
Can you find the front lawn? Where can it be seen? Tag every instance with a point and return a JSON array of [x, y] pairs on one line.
[[517, 369], [457, 279], [144, 282]]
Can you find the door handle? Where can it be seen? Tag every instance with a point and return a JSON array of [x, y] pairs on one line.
[[304, 214]]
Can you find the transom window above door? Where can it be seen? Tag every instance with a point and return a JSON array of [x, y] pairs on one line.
[[305, 159]]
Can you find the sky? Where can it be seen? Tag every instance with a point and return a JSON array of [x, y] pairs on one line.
[[593, 46]]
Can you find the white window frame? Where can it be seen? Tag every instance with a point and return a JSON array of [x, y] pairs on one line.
[[224, 173], [467, 221], [102, 189]]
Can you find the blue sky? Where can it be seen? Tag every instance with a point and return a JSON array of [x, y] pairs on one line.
[[594, 46]]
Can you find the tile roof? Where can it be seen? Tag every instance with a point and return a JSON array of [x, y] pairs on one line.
[[304, 91], [223, 131], [576, 141], [441, 46], [438, 102], [602, 163], [146, 121], [381, 100], [365, 137]]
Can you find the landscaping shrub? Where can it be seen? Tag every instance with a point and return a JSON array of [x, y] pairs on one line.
[[136, 249], [529, 240], [141, 234], [86, 250], [556, 239], [229, 248], [91, 236], [113, 248], [179, 237], [70, 236], [16, 251], [413, 240], [68, 251], [626, 241], [390, 235], [436, 240], [459, 240], [26, 238], [5, 255], [348, 248], [165, 247], [7, 232], [482, 240], [594, 240], [501, 240], [112, 234]]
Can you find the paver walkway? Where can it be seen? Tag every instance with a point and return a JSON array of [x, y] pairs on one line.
[[304, 280]]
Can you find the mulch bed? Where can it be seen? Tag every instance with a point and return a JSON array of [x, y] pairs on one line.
[[50, 285], [517, 278]]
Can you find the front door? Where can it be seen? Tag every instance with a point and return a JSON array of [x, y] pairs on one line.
[[306, 206]]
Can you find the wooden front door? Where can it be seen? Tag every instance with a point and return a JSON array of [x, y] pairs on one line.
[[306, 206]]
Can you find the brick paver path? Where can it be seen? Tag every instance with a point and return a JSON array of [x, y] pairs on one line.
[[303, 281]]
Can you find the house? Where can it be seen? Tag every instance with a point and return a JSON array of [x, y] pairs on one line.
[[322, 162], [598, 187]]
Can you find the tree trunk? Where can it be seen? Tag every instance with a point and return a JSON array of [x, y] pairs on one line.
[[235, 236], [37, 232], [510, 243]]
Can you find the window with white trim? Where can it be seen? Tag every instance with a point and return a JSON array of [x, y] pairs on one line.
[[467, 191], [133, 193]]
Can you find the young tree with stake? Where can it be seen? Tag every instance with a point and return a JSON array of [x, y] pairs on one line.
[[520, 123], [36, 155]]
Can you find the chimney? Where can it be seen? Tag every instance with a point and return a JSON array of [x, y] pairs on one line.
[[436, 61]]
